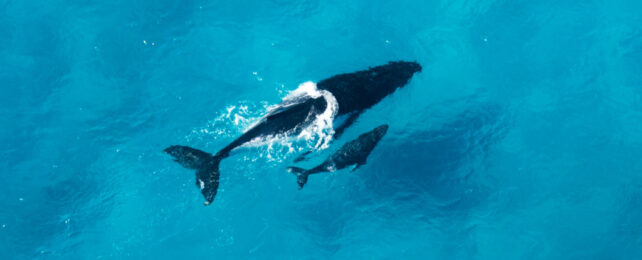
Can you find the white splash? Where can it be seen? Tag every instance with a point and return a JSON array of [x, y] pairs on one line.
[[307, 88], [316, 135], [322, 125], [321, 129]]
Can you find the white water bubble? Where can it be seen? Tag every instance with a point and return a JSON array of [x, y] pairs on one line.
[[229, 111], [243, 109], [238, 119]]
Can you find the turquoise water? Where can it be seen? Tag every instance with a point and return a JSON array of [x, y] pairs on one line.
[[521, 137]]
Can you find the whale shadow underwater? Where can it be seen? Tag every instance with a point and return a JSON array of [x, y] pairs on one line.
[[429, 181], [452, 158], [351, 93]]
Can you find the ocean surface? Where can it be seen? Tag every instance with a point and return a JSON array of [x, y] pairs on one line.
[[520, 139]]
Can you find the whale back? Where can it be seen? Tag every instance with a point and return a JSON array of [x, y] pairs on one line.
[[362, 89]]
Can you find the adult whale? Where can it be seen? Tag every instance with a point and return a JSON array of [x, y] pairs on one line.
[[354, 152], [358, 91], [354, 93]]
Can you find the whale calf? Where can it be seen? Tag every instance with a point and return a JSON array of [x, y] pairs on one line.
[[353, 92], [354, 152]]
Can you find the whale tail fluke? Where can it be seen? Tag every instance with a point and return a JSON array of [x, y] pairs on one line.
[[301, 175], [207, 179], [206, 166]]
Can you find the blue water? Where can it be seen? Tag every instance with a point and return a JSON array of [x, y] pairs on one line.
[[521, 137]]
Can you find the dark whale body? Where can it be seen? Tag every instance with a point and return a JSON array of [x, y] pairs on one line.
[[354, 93], [354, 152], [360, 90]]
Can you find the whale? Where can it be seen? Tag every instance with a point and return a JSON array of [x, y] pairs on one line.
[[355, 153], [353, 93]]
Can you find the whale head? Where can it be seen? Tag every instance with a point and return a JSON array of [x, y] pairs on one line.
[[410, 66], [402, 70], [380, 131], [387, 78]]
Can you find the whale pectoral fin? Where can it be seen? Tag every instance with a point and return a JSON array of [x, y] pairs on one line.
[[302, 157], [356, 166], [301, 175], [347, 123]]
